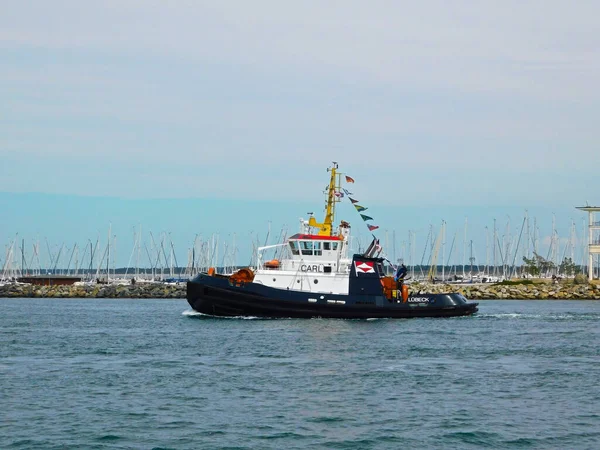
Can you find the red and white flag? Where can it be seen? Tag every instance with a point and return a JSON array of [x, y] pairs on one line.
[[364, 267]]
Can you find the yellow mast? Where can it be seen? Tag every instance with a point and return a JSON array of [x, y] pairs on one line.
[[326, 228]]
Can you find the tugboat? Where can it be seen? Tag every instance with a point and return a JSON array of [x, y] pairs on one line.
[[318, 278]]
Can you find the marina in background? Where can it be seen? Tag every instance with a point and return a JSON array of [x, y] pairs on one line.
[[437, 254]]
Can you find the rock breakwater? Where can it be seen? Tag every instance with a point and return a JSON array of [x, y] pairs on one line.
[[145, 290], [537, 291]]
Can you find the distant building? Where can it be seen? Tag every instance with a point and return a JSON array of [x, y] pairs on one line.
[[594, 237]]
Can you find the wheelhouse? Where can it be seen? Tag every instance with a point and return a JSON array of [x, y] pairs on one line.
[[309, 246]]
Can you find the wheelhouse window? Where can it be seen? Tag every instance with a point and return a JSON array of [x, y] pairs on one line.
[[334, 245], [326, 245], [306, 247], [294, 248], [317, 247]]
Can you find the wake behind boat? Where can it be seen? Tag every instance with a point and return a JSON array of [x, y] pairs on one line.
[[318, 278]]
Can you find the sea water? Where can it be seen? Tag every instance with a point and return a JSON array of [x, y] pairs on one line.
[[100, 373]]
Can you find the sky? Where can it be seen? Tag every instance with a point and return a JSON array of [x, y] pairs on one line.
[[195, 117]]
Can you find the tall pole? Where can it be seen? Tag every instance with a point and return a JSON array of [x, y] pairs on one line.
[[554, 241], [590, 243], [414, 249], [387, 240], [139, 247], [108, 255], [471, 259], [412, 240], [494, 244], [91, 259], [409, 255], [536, 241], [443, 251], [583, 245], [572, 241], [403, 257], [486, 271], [394, 246], [22, 257], [465, 248], [528, 236]]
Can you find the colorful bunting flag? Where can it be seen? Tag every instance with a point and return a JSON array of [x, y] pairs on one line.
[[359, 208], [339, 194]]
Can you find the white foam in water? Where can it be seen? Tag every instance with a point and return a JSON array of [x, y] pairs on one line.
[[501, 316], [192, 313], [509, 316], [551, 316]]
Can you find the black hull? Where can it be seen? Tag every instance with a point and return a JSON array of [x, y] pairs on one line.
[[215, 296]]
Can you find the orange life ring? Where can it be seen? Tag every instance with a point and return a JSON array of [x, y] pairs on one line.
[[273, 264]]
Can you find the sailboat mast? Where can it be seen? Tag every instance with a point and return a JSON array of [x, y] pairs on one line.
[[443, 251], [465, 247], [108, 254], [494, 249], [22, 257]]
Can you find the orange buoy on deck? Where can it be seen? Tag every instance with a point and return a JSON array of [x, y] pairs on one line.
[[242, 276], [273, 264], [211, 271]]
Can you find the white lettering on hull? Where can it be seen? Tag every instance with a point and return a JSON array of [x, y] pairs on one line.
[[418, 299], [311, 267]]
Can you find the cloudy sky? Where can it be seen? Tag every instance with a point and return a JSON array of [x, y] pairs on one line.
[[433, 104]]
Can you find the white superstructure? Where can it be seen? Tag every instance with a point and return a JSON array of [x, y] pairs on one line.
[[312, 262]]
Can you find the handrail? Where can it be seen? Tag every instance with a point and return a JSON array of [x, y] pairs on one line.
[[259, 255], [267, 247]]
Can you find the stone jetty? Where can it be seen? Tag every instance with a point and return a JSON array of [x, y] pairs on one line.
[[534, 291], [139, 290], [565, 290]]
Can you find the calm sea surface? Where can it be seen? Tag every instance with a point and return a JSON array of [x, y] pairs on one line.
[[149, 374]]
